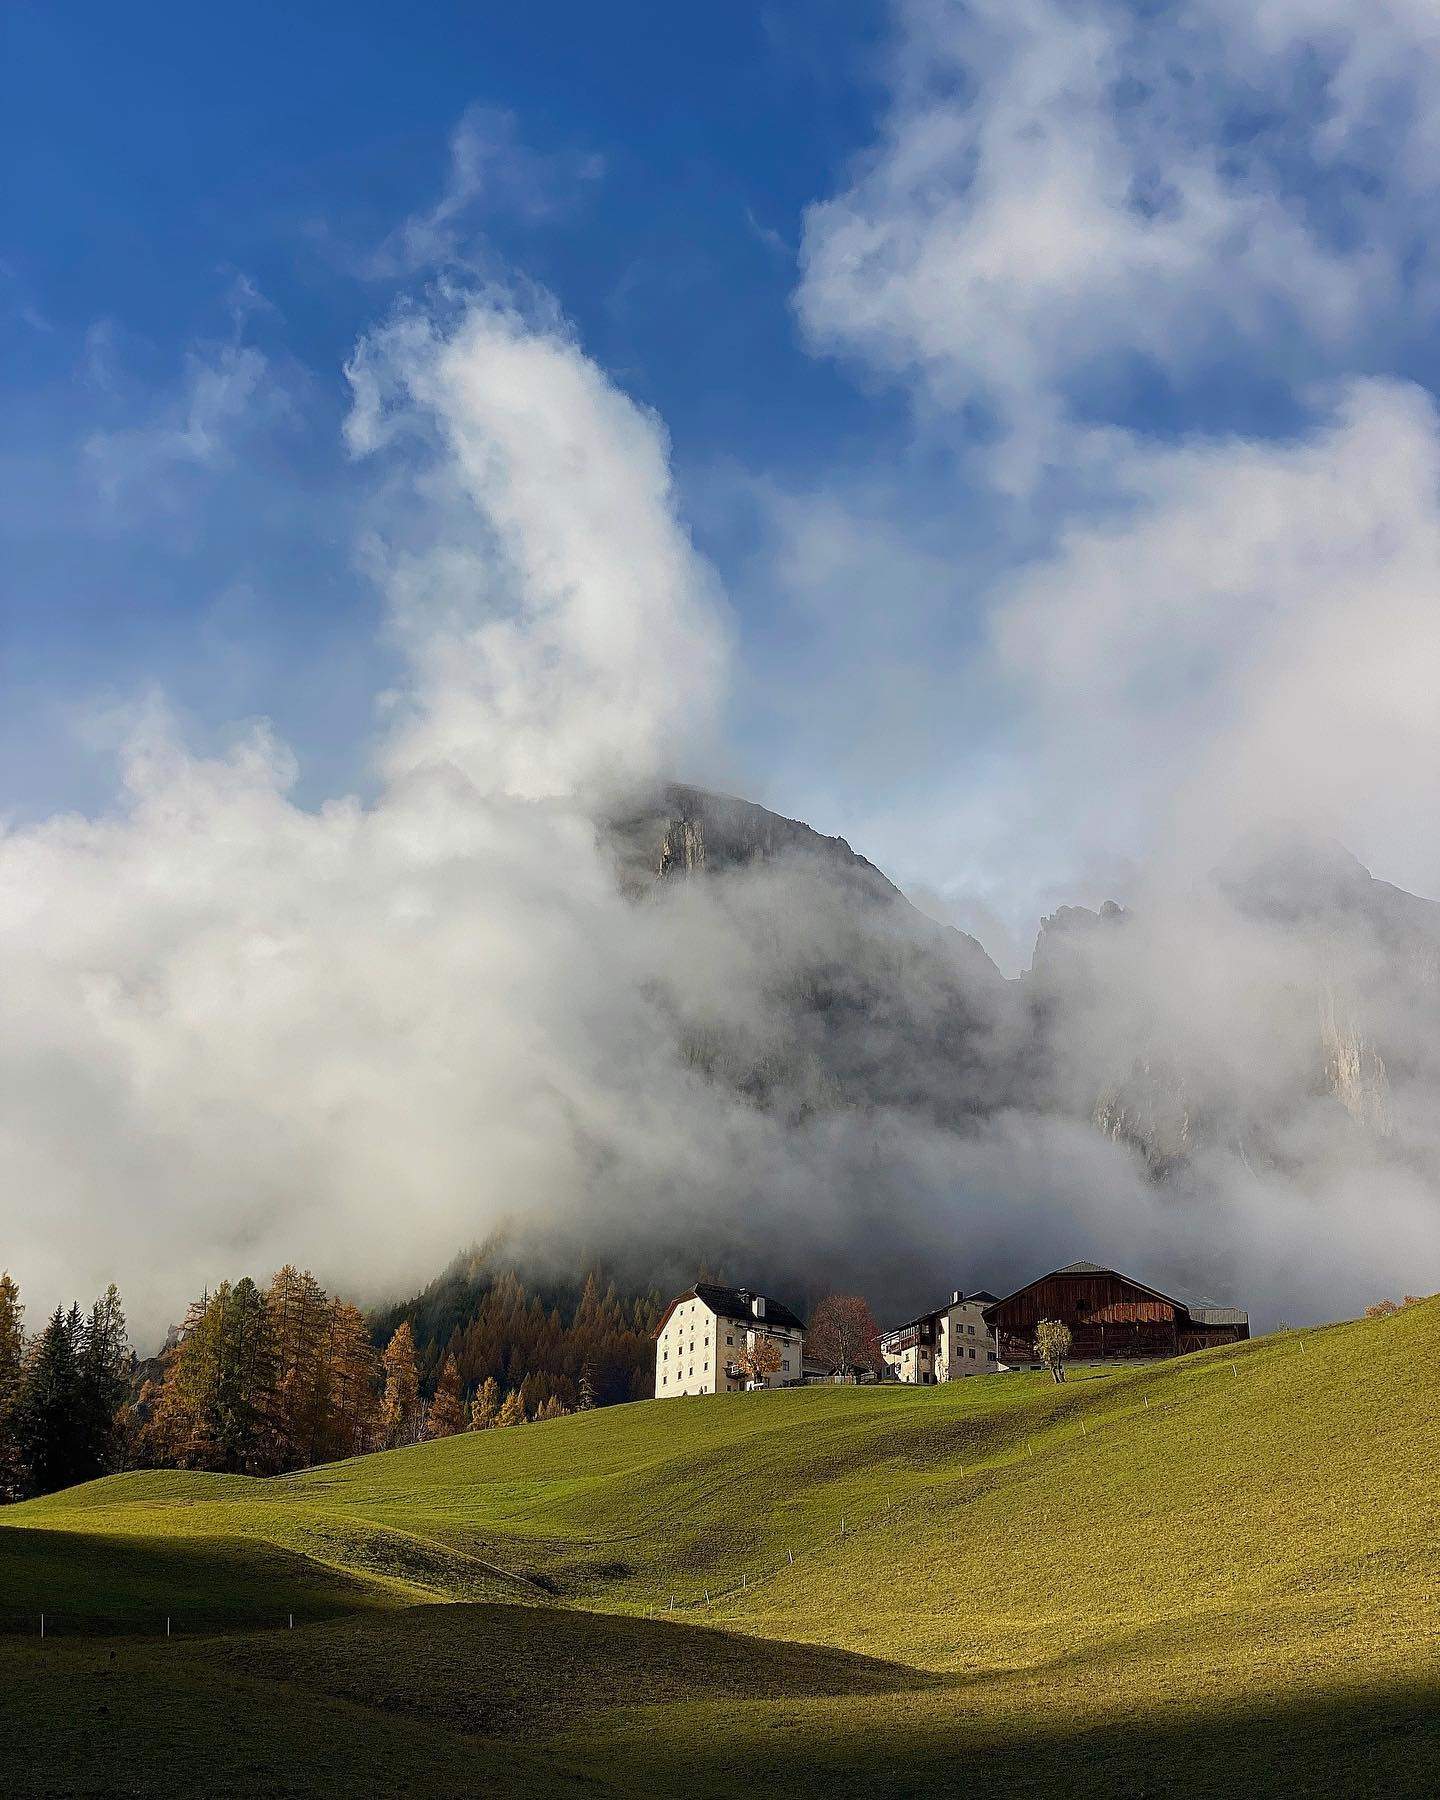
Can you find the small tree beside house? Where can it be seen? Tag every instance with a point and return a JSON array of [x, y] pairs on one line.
[[760, 1359], [1052, 1346], [843, 1335]]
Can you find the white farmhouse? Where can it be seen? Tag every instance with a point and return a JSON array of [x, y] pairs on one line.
[[704, 1334], [945, 1345]]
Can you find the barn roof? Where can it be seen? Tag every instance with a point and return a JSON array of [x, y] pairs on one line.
[[1200, 1315], [1090, 1268]]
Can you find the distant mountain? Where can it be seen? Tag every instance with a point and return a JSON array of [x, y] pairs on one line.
[[855, 997], [861, 1000]]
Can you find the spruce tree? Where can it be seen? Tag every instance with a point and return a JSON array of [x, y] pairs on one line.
[[48, 1424], [12, 1362], [106, 1362]]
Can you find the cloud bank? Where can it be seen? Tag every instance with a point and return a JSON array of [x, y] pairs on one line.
[[241, 1030]]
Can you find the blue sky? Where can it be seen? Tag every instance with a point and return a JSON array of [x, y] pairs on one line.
[[206, 213], [180, 183]]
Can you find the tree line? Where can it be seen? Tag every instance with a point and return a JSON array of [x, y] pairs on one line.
[[263, 1380], [64, 1414]]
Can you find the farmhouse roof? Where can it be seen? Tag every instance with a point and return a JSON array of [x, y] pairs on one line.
[[981, 1297], [734, 1303]]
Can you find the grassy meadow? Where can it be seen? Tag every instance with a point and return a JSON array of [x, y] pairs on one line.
[[1213, 1575]]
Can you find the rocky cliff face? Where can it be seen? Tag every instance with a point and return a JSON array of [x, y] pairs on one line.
[[847, 996]]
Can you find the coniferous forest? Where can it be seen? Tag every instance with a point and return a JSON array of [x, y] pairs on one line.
[[261, 1380]]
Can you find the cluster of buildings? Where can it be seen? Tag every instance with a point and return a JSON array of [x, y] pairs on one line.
[[706, 1342]]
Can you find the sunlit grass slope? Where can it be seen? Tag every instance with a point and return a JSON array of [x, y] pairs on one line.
[[1118, 1578]]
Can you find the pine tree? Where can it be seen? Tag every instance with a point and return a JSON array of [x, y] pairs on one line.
[[485, 1407], [447, 1410], [552, 1409], [12, 1362], [48, 1424], [106, 1362], [512, 1412], [586, 1401], [400, 1413]]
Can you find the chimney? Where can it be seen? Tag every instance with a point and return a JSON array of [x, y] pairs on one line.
[[757, 1306], [955, 1298]]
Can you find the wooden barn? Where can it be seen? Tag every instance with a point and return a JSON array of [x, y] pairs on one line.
[[1109, 1315]]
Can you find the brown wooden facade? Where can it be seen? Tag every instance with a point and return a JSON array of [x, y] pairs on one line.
[[1110, 1315]]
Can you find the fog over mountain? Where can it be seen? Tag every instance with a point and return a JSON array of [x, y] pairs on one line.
[[531, 981]]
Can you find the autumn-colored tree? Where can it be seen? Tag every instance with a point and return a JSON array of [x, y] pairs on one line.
[[843, 1334], [1052, 1345], [400, 1411], [447, 1410], [760, 1359], [217, 1404], [1382, 1309], [513, 1410], [552, 1409], [354, 1383], [299, 1310], [485, 1407]]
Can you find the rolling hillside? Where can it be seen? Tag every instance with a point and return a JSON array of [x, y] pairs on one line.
[[1221, 1572]]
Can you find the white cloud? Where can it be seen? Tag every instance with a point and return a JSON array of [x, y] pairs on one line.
[[562, 631], [491, 172], [238, 1030], [1062, 190]]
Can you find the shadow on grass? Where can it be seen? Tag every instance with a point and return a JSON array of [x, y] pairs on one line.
[[1359, 1741], [531, 1671], [92, 1583]]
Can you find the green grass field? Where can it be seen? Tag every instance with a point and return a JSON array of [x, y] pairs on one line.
[[1216, 1575]]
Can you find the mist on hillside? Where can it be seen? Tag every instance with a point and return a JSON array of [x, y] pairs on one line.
[[241, 1032]]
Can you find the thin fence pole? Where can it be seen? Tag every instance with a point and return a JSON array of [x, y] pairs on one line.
[[167, 1624], [42, 1625]]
